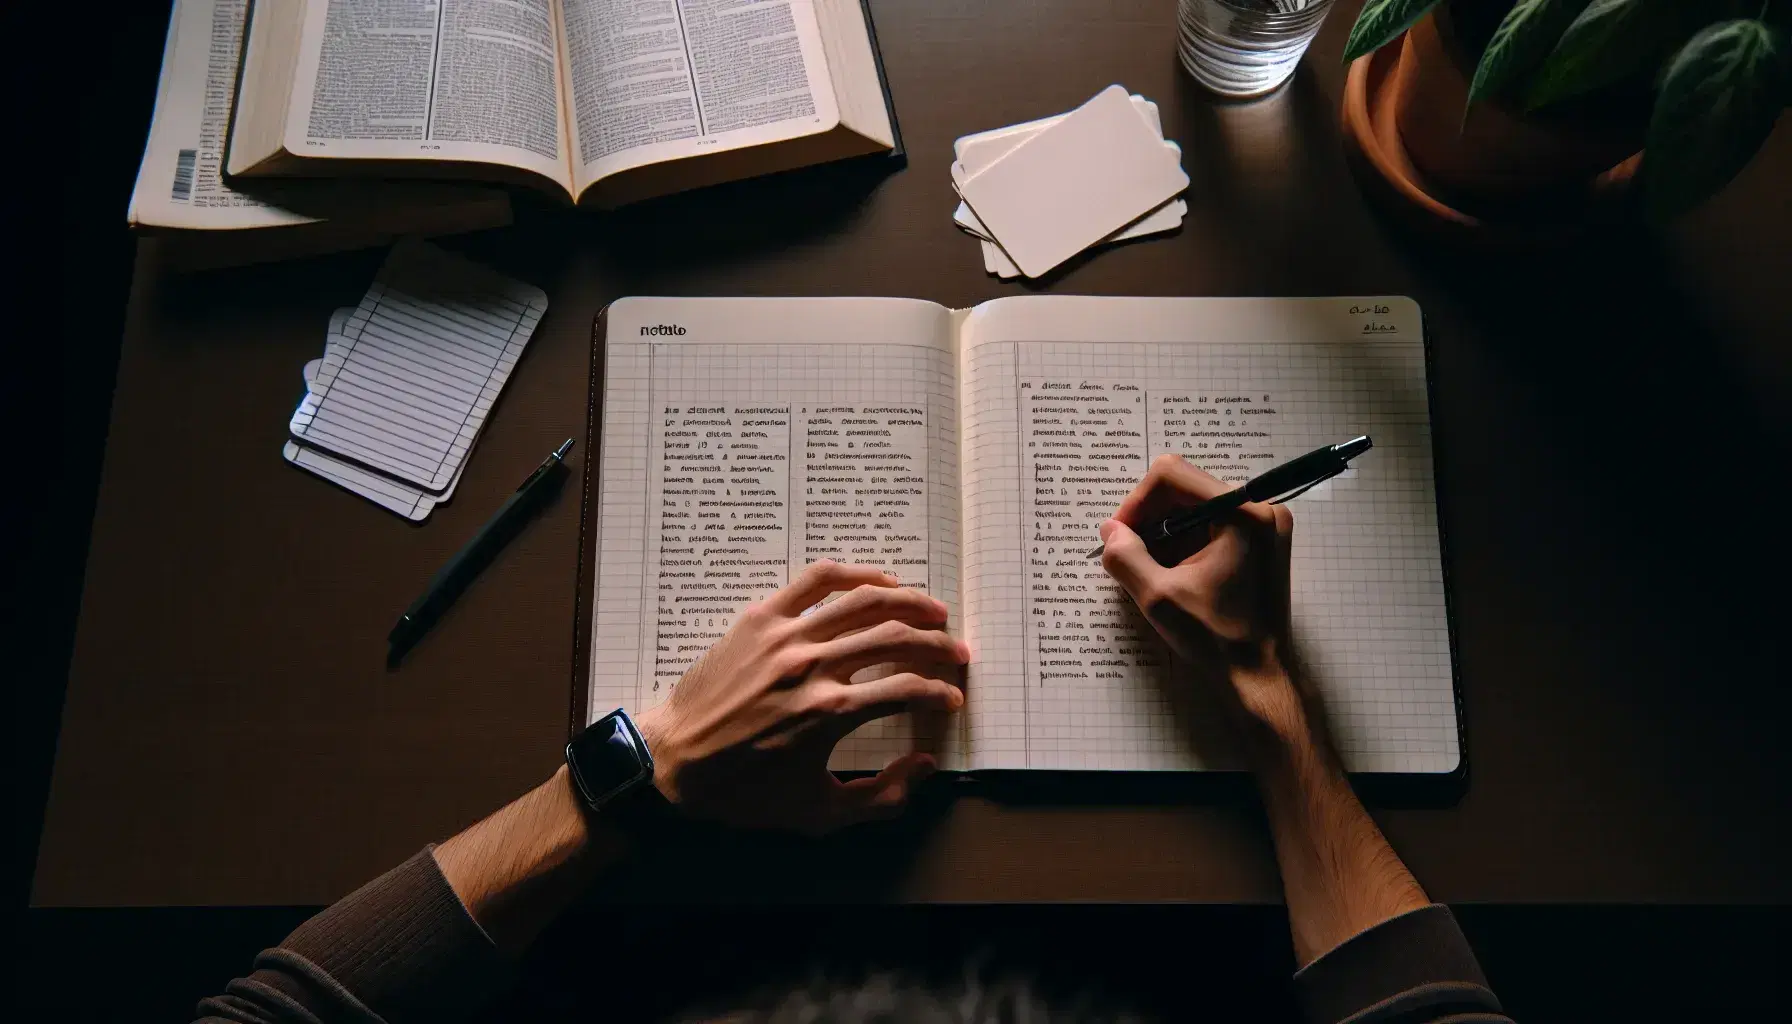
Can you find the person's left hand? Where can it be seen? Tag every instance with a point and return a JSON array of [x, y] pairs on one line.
[[745, 736]]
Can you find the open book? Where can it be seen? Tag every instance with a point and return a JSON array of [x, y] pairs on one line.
[[200, 220], [601, 101], [975, 453]]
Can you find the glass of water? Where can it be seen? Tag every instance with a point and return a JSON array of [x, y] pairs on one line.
[[1246, 47]]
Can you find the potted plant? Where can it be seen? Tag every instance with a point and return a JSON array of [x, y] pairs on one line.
[[1499, 102]]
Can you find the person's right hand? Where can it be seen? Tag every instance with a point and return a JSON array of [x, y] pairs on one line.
[[745, 736], [1219, 597]]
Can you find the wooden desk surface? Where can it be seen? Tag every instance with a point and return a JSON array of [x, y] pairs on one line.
[[231, 736]]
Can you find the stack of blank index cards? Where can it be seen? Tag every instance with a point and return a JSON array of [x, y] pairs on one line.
[[408, 377], [1038, 193]]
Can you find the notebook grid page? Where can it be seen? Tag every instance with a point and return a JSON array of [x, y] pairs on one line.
[[428, 350], [726, 465], [1368, 590], [621, 569], [994, 590]]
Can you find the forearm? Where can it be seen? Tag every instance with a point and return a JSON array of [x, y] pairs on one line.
[[519, 868], [1339, 875], [401, 947], [432, 938]]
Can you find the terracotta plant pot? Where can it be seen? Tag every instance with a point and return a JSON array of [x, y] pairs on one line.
[[1493, 155], [1495, 176]]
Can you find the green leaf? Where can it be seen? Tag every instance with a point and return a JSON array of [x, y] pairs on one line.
[[1381, 22], [1609, 40], [1717, 103], [1529, 30]]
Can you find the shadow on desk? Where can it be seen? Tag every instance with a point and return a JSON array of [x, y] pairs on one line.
[[696, 863], [740, 223], [1213, 788]]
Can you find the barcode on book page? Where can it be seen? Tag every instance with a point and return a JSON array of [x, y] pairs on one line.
[[183, 175]]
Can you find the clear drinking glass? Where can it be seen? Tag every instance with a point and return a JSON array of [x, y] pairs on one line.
[[1246, 47]]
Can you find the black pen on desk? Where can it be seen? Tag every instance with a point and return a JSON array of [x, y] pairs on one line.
[[1289, 480], [451, 579]]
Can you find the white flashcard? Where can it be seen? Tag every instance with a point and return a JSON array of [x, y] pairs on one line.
[[1074, 183], [984, 148]]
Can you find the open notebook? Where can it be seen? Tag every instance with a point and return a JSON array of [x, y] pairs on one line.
[[974, 453]]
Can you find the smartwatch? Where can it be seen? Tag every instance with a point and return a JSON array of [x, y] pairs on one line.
[[609, 761]]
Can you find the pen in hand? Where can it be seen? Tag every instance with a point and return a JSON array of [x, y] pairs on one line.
[[453, 578], [1289, 480]]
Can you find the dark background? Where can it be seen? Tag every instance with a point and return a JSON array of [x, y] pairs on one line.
[[83, 83]]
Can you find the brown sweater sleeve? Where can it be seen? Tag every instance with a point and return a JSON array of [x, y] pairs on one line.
[[1416, 968], [401, 948]]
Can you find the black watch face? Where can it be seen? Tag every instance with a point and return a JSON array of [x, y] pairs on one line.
[[608, 759]]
